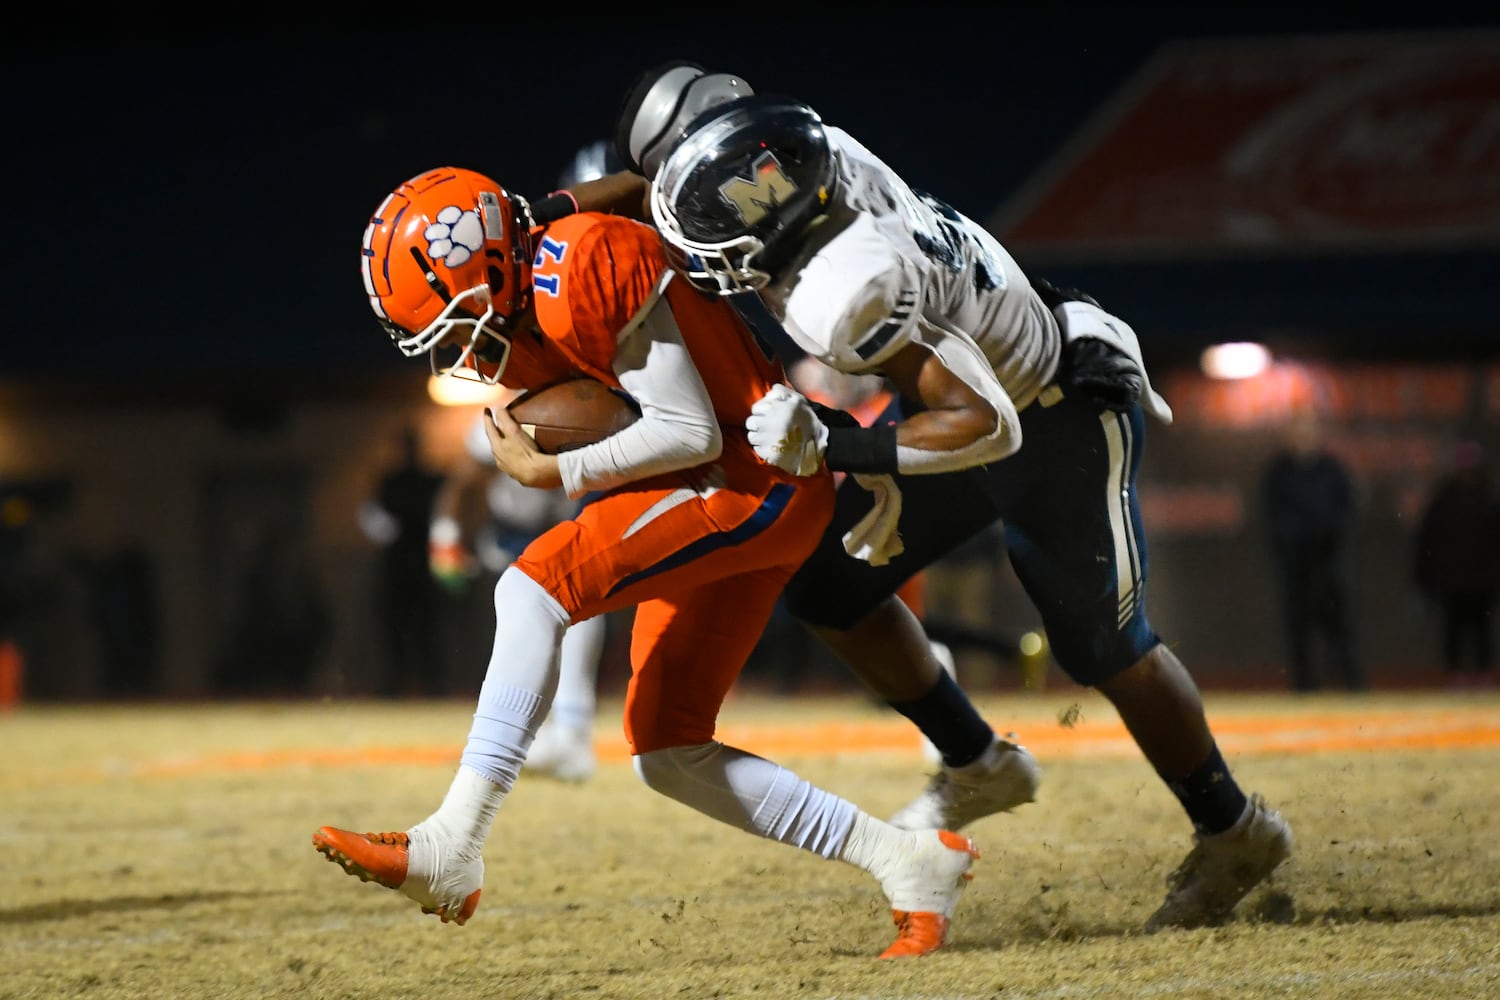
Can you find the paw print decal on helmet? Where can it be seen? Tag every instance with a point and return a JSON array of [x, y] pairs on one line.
[[456, 236]]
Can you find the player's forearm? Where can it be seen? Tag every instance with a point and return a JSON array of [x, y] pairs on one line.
[[967, 418], [947, 430], [928, 442], [623, 193], [678, 428], [944, 441], [648, 447]]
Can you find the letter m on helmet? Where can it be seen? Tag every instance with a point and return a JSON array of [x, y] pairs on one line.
[[767, 190]]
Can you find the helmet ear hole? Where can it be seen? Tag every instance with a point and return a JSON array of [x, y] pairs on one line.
[[496, 279]]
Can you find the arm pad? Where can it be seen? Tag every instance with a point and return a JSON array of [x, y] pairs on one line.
[[861, 449], [831, 417]]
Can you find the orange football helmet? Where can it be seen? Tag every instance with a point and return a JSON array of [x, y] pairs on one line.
[[447, 263]]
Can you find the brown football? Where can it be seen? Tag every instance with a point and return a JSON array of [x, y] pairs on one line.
[[571, 414]]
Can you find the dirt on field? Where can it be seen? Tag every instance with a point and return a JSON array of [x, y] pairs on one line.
[[164, 851]]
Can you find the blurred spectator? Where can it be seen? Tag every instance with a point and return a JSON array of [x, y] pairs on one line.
[[121, 582], [280, 622], [1457, 565], [1309, 506], [406, 597]]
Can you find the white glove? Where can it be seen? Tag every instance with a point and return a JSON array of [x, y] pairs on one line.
[[875, 539], [786, 433]]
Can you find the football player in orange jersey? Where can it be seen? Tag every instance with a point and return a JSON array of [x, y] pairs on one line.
[[693, 530], [564, 746]]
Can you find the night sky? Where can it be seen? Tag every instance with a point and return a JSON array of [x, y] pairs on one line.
[[195, 205]]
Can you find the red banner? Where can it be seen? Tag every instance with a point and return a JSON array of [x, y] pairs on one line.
[[1300, 143]]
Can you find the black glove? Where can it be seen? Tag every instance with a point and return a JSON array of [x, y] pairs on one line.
[[1052, 296], [1105, 376]]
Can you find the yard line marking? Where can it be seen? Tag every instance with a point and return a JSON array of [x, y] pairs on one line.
[[1238, 734]]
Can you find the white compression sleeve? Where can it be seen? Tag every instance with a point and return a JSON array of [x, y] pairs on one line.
[[677, 429], [513, 699], [520, 681], [750, 793]]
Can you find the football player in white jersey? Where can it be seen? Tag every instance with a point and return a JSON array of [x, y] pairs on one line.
[[1019, 403]]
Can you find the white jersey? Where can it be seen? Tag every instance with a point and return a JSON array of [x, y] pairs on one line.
[[887, 259]]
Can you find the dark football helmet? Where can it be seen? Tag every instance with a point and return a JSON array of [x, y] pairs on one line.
[[737, 191]]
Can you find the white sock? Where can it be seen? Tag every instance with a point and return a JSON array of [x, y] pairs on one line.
[[444, 856], [918, 870], [520, 681], [875, 846], [445, 849], [751, 794]]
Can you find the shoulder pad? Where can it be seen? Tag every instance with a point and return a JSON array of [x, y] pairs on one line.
[[858, 300]]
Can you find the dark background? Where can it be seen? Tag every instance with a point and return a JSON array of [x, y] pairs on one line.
[[189, 371], [191, 204]]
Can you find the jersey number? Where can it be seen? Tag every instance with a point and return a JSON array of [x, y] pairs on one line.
[[553, 251]]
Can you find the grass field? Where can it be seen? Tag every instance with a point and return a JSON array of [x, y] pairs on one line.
[[164, 851]]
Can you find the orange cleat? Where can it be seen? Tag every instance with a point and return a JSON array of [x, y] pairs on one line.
[[382, 858], [925, 890], [917, 934]]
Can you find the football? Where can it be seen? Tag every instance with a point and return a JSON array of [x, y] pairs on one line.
[[571, 414]]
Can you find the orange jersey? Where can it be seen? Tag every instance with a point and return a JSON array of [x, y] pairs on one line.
[[593, 273], [702, 554]]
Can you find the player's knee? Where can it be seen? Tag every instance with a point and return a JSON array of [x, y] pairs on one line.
[[516, 593], [821, 605], [670, 771], [1094, 660]]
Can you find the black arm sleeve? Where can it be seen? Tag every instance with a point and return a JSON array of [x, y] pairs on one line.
[[831, 417], [861, 449], [853, 448], [552, 208]]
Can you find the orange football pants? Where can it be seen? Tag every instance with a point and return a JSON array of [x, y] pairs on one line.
[[703, 556]]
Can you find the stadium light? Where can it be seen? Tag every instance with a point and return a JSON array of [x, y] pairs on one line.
[[1236, 360], [458, 391]]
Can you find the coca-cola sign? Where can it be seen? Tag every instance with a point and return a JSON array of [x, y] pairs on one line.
[[1296, 143]]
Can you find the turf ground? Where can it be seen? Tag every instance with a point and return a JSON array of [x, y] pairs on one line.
[[163, 851]]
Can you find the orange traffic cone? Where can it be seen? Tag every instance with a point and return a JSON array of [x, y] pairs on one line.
[[12, 672]]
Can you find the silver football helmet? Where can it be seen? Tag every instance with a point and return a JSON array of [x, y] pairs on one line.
[[734, 195], [661, 104]]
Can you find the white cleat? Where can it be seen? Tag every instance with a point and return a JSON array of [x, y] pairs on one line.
[[450, 891], [565, 753], [1222, 868], [1005, 776]]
